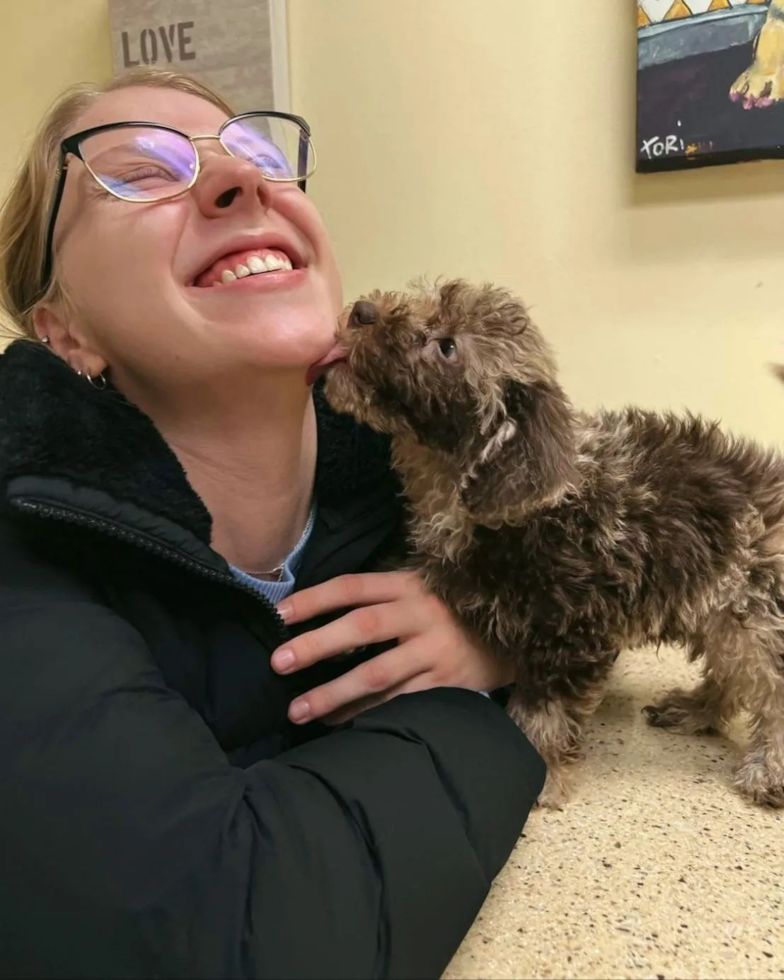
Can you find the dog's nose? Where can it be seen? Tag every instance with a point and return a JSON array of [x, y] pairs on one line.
[[364, 313]]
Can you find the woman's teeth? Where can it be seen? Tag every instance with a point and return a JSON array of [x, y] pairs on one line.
[[254, 266]]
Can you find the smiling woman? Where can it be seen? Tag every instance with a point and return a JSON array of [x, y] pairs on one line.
[[195, 784], [144, 163]]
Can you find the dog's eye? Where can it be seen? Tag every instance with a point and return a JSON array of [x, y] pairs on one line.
[[448, 348]]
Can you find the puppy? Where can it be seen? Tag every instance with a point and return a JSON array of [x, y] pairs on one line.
[[560, 538]]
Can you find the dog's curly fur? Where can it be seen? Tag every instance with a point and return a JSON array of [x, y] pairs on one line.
[[561, 537]]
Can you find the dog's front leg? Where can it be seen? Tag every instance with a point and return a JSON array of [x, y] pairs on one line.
[[555, 736], [552, 712]]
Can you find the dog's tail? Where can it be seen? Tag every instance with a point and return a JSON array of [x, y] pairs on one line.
[[778, 370]]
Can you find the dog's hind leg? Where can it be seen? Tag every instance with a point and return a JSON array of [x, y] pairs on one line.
[[761, 774], [708, 707], [744, 668], [697, 712]]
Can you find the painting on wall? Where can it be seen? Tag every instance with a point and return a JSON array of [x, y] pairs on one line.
[[710, 82], [237, 46]]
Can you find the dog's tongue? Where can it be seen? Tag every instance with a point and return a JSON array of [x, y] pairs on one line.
[[331, 357]]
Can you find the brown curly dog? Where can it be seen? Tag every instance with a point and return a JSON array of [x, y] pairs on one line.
[[561, 538]]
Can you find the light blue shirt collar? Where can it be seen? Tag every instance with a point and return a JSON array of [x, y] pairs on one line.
[[284, 586]]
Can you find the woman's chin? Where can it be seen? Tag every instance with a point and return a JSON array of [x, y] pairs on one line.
[[294, 338], [273, 353]]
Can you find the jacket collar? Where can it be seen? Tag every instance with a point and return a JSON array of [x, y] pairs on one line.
[[56, 428]]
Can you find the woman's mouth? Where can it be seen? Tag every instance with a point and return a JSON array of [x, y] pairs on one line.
[[236, 266]]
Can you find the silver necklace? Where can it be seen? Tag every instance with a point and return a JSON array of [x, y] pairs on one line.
[[273, 573], [276, 572]]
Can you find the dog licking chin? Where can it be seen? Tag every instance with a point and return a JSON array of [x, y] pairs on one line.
[[560, 537]]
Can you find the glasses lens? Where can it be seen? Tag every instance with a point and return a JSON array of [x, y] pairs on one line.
[[280, 148], [141, 163]]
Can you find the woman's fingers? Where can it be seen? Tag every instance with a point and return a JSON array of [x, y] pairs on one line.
[[374, 681], [420, 682], [358, 628], [346, 591], [434, 650], [342, 715]]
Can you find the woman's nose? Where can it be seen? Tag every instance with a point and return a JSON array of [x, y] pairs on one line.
[[226, 183], [363, 314]]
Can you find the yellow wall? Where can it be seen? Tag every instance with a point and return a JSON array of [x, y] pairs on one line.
[[44, 47], [495, 140]]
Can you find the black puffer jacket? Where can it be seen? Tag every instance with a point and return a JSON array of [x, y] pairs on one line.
[[160, 818]]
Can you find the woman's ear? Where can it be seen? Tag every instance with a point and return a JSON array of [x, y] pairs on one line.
[[50, 321], [527, 461]]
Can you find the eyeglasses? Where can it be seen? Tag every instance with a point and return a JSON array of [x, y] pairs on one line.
[[144, 162]]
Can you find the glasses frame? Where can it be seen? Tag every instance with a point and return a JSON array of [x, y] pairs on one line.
[[72, 146]]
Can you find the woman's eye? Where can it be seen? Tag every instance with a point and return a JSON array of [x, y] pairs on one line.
[[272, 163], [448, 348], [147, 173]]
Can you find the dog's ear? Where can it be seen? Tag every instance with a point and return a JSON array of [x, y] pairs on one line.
[[527, 460]]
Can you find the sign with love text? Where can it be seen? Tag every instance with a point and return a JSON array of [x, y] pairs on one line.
[[237, 46]]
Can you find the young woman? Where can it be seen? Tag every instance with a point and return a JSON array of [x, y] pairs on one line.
[[174, 804]]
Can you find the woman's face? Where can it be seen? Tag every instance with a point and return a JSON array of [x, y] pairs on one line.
[[141, 301]]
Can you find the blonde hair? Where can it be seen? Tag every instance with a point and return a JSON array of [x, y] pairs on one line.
[[24, 214]]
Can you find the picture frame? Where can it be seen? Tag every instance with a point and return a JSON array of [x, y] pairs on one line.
[[710, 82], [239, 47]]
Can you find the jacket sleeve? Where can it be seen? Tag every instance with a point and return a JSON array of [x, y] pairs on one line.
[[131, 847]]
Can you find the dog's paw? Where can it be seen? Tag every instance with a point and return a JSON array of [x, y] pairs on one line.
[[757, 89], [680, 712], [555, 792], [761, 780]]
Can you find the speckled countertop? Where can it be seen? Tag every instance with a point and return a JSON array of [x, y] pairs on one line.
[[656, 869]]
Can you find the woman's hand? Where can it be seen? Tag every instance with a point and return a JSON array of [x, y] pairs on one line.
[[433, 650]]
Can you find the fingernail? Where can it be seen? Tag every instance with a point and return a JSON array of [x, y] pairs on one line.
[[283, 659], [284, 611], [299, 710]]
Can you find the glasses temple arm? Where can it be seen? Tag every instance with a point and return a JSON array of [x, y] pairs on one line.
[[302, 162], [46, 276]]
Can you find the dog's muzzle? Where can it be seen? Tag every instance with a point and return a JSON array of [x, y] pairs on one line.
[[363, 314]]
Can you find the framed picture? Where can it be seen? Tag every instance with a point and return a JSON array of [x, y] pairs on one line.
[[710, 82], [237, 46]]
